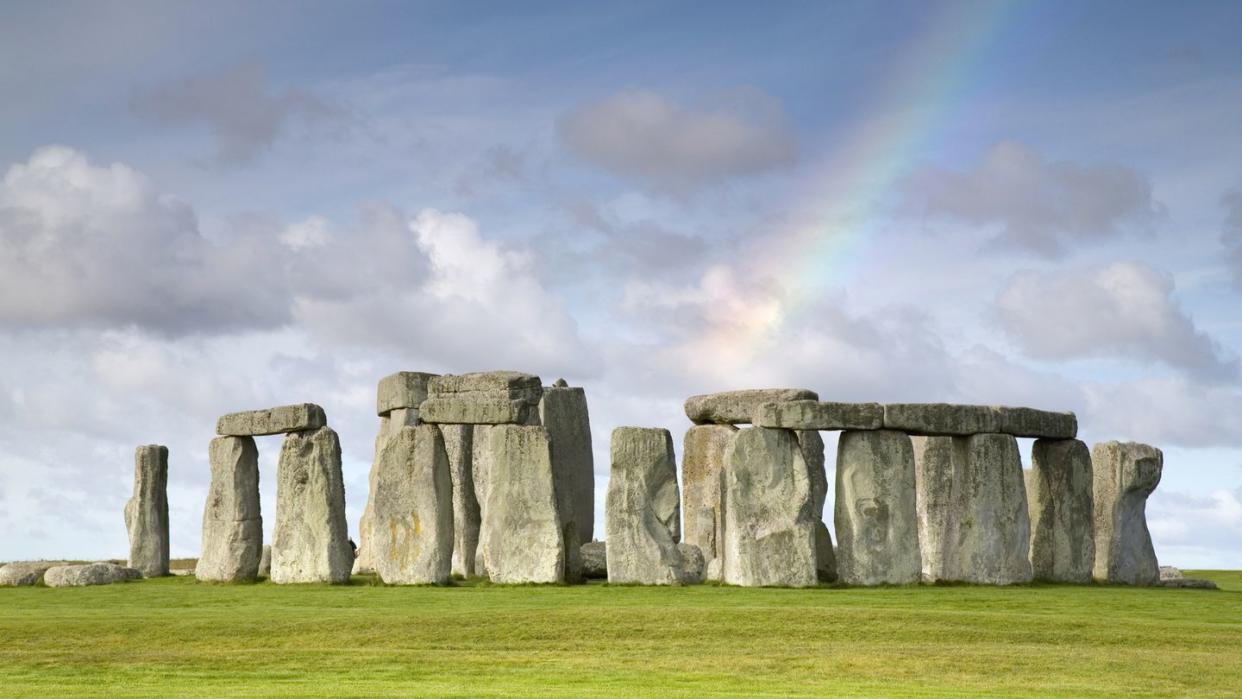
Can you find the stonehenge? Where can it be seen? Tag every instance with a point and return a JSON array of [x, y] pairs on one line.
[[1125, 474], [876, 518], [146, 513], [1061, 503], [738, 407], [643, 509], [81, 575], [702, 492], [412, 537], [25, 573], [310, 542], [232, 525], [521, 536]]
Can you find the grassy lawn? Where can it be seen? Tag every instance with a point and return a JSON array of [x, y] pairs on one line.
[[176, 637]]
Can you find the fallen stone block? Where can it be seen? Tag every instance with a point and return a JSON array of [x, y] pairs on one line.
[[693, 566], [595, 560], [88, 574], [1171, 573], [413, 535], [769, 531], [563, 412], [146, 513], [1040, 424], [521, 537], [739, 407], [1125, 474], [876, 516], [404, 389], [702, 473], [643, 512], [1059, 494], [310, 542], [820, 415], [232, 526], [25, 573], [1189, 583], [940, 419], [286, 418]]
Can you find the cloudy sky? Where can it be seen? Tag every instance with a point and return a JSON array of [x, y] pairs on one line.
[[215, 207]]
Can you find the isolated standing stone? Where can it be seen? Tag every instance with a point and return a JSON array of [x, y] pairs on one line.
[[812, 446], [1125, 474], [413, 525], [311, 539], [521, 535], [820, 415], [459, 446], [642, 512], [938, 496], [232, 526], [739, 407], [702, 473], [88, 574], [146, 513], [993, 528], [404, 389], [876, 517], [563, 411], [286, 418], [1059, 493], [769, 531]]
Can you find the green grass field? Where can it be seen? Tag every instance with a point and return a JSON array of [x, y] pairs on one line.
[[174, 636]]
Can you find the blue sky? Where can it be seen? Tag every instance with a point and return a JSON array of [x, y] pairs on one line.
[[206, 208]]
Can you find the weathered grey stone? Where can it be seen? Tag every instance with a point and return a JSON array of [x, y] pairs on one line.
[[715, 570], [1171, 573], [739, 407], [265, 562], [642, 512], [702, 474], [876, 515], [25, 573], [390, 424], [1193, 583], [459, 446], [1041, 424], [693, 567], [88, 574], [820, 415], [404, 389], [769, 531], [521, 537], [940, 419], [1125, 474], [286, 418], [563, 411], [812, 446], [479, 410], [937, 496], [513, 384], [1059, 495], [412, 538], [594, 560], [311, 539], [992, 527], [146, 513], [232, 525]]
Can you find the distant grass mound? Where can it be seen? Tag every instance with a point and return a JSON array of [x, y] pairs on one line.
[[175, 637]]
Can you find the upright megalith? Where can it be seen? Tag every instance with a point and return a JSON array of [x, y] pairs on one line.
[[459, 447], [146, 513], [938, 496], [739, 407], [1059, 494], [769, 531], [702, 474], [483, 398], [1125, 474], [311, 539], [642, 512], [412, 537], [391, 423], [521, 536], [812, 446], [876, 517], [232, 525], [563, 413]]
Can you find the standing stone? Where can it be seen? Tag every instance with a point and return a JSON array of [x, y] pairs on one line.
[[993, 528], [232, 526], [563, 412], [459, 446], [1059, 493], [412, 537], [391, 423], [521, 537], [265, 562], [1125, 474], [642, 512], [876, 515], [769, 531], [146, 513], [938, 495], [311, 539], [702, 473], [812, 446], [739, 407]]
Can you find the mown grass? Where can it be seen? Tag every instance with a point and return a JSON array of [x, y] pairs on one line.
[[174, 636]]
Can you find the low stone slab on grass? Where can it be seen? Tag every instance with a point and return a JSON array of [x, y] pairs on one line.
[[286, 418], [25, 573], [88, 574]]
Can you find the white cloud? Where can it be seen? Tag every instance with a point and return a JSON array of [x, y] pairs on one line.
[[1125, 309], [647, 135], [1193, 530], [1231, 236], [310, 233], [1034, 203]]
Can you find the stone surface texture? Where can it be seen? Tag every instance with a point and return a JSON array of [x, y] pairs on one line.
[[1125, 474], [412, 539], [459, 447], [1061, 505], [940, 419], [390, 424], [286, 418], [520, 538], [769, 531], [702, 473], [993, 528], [563, 412], [937, 494], [812, 446], [265, 562], [875, 513], [404, 389], [310, 542], [693, 566], [232, 526], [820, 415], [88, 574], [1040, 424], [642, 513], [25, 573], [146, 513], [595, 560], [739, 407], [478, 410]]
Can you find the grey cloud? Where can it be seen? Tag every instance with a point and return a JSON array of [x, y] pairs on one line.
[[1231, 236], [1036, 204], [243, 112], [1126, 309], [649, 136]]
